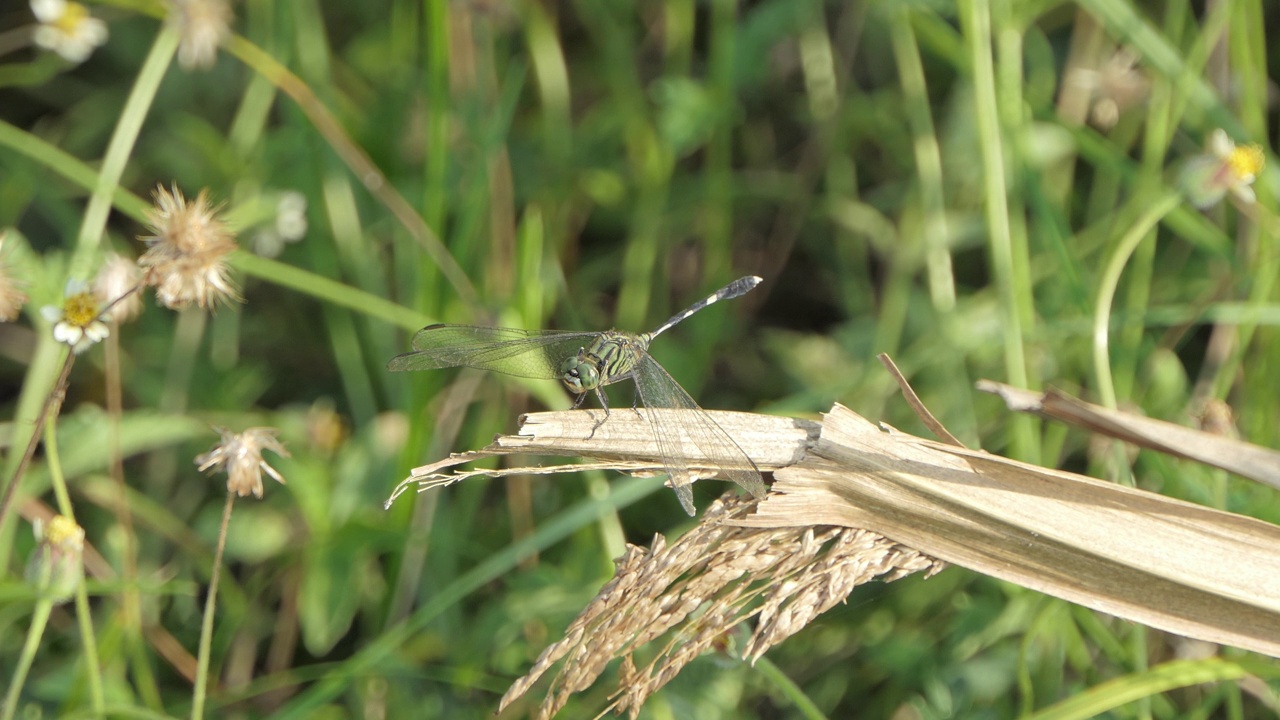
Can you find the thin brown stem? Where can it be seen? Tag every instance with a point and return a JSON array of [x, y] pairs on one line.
[[52, 405], [102, 314]]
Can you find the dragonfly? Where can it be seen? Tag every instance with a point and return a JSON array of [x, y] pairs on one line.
[[588, 361]]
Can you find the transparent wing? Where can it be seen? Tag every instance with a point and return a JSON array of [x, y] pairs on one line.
[[524, 353], [683, 437]]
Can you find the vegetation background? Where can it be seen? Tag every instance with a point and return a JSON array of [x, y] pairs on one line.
[[958, 185]]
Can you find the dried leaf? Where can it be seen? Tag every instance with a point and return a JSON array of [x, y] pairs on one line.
[[898, 504], [1169, 564], [1242, 458]]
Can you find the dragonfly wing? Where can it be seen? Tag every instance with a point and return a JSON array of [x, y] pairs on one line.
[[690, 434], [524, 353]]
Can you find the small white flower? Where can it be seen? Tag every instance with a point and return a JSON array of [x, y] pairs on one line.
[[1206, 179], [76, 322], [56, 566], [68, 29]]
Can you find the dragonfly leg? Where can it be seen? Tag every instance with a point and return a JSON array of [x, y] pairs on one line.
[[635, 400], [604, 403]]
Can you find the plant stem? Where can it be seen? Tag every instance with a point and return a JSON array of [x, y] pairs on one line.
[[1107, 291], [34, 633], [206, 628], [93, 668], [52, 404], [123, 142], [975, 16]]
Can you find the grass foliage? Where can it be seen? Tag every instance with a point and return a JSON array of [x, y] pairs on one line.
[[987, 189]]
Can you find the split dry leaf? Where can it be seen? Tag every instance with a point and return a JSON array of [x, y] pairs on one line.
[[1242, 458], [625, 443], [1169, 564]]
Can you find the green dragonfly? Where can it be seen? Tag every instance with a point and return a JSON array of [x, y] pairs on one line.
[[586, 361]]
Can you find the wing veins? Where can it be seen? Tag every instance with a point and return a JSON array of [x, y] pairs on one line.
[[523, 353], [659, 390]]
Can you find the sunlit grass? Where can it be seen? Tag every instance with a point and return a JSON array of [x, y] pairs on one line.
[[948, 184]]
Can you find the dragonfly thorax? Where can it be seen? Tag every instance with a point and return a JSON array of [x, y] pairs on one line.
[[609, 358]]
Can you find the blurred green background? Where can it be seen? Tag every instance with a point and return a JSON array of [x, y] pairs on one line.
[[955, 185]]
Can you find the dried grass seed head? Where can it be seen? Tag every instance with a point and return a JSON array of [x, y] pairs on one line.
[[185, 259], [116, 286], [1121, 85], [240, 454], [202, 26], [703, 585]]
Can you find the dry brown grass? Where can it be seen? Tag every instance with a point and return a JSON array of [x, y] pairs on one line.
[[699, 588]]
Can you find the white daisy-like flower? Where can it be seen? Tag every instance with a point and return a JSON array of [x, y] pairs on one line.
[[76, 321], [1206, 179], [67, 28]]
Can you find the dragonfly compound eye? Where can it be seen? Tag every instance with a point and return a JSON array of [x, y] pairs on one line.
[[579, 375]]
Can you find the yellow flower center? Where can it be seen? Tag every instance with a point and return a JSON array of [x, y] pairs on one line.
[[1247, 161], [61, 529], [72, 16], [80, 309]]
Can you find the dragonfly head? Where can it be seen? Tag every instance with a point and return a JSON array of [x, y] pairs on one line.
[[579, 374]]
